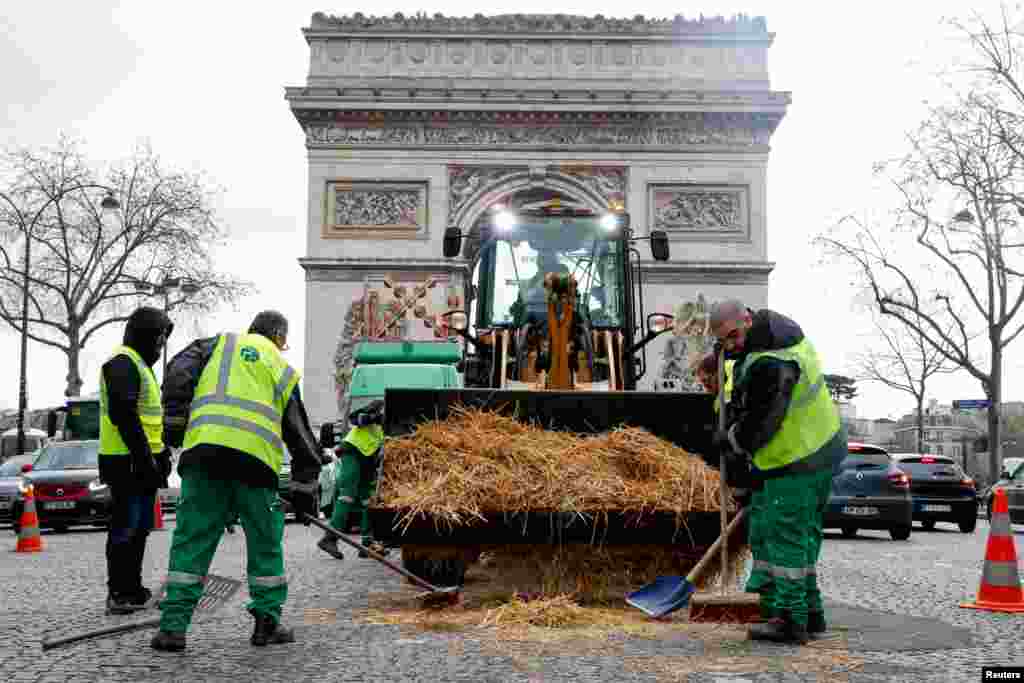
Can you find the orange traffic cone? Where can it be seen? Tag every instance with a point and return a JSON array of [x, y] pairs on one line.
[[29, 538], [158, 514], [1000, 589]]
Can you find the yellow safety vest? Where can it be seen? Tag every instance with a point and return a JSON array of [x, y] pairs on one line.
[[729, 368], [812, 419], [366, 439], [240, 399], [151, 411]]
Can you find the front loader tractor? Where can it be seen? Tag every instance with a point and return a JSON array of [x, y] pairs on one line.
[[556, 304]]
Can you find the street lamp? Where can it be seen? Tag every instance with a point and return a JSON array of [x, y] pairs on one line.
[[169, 284], [109, 203]]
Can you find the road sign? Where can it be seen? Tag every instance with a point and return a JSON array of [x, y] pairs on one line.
[[975, 404]]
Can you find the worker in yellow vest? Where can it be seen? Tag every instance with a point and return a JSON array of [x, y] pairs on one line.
[[785, 441], [356, 476], [133, 461], [244, 409]]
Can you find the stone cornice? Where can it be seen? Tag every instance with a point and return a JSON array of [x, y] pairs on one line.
[[356, 269], [418, 95], [706, 272], [540, 25]]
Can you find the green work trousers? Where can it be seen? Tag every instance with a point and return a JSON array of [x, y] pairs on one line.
[[785, 540], [354, 484], [206, 506]]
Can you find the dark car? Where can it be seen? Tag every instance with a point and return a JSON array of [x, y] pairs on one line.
[[942, 492], [66, 482], [1011, 479], [1013, 485], [12, 484], [870, 492]]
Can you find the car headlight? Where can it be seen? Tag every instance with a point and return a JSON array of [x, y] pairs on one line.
[[97, 486]]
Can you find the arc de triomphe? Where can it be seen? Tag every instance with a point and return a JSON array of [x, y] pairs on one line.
[[417, 123]]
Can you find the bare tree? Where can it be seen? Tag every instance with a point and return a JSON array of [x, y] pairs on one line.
[[960, 193], [90, 269], [903, 361]]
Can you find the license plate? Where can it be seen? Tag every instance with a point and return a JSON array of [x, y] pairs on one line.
[[937, 508], [60, 505], [859, 511]]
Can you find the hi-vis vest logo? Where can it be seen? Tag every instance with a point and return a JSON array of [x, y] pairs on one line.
[[249, 354]]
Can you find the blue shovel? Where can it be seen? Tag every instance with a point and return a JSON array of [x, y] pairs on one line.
[[670, 593]]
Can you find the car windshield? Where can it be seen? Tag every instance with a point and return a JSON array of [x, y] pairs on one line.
[[925, 466], [68, 456], [537, 245], [12, 466], [865, 457]]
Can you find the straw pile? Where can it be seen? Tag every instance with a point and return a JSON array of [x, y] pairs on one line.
[[476, 463]]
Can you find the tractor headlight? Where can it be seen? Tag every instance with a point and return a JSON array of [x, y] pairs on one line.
[[504, 220], [610, 222]]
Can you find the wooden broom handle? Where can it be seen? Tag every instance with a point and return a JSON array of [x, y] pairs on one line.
[[705, 561], [721, 485]]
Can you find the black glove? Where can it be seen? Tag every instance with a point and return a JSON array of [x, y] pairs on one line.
[[302, 497], [164, 464], [742, 497]]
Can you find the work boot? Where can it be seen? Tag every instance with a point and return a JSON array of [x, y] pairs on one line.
[[125, 604], [168, 641], [375, 546], [266, 631], [779, 630], [816, 626], [330, 546]]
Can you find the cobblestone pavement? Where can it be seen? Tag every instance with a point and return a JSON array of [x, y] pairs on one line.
[[61, 590]]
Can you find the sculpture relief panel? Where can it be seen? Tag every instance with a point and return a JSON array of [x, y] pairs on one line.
[[719, 212], [377, 210]]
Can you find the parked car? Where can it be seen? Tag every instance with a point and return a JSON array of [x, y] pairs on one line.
[[941, 491], [68, 491], [870, 492], [1010, 468], [1014, 487], [12, 484]]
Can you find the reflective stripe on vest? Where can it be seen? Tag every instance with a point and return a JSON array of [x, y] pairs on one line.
[[151, 412], [730, 370], [811, 420], [241, 397], [366, 439]]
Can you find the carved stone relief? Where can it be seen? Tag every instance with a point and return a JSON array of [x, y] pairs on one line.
[[377, 207], [690, 341], [697, 209], [465, 181], [546, 136]]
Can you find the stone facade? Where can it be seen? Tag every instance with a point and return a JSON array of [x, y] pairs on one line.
[[414, 124]]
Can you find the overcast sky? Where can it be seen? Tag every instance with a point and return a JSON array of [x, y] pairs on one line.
[[204, 82]]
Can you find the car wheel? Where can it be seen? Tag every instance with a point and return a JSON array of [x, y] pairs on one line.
[[928, 525], [849, 531], [967, 524], [900, 533]]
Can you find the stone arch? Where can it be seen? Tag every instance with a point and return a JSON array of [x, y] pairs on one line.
[[570, 188]]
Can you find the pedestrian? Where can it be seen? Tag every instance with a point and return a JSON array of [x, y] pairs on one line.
[[356, 477], [133, 460], [784, 440], [244, 409]]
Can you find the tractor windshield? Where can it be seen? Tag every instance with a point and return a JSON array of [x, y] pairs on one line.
[[525, 247]]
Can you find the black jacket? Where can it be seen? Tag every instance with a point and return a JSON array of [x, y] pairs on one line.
[[220, 462], [758, 407], [137, 472]]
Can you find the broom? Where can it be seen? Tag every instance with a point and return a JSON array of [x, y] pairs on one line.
[[740, 608]]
